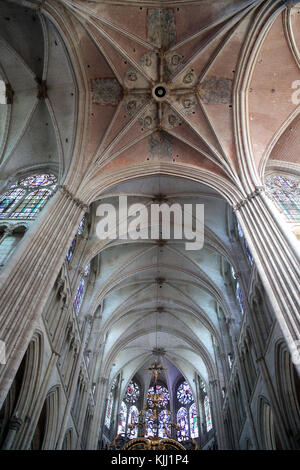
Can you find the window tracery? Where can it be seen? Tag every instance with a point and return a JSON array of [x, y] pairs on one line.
[[285, 191], [26, 198]]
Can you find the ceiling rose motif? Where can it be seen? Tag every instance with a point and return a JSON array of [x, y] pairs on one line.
[[160, 65], [163, 81]]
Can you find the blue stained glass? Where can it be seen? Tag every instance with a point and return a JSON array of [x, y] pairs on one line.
[[81, 226], [248, 252], [164, 427], [9, 200], [21, 203], [182, 421], [132, 393], [71, 250], [239, 296], [79, 295], [165, 397], [38, 180], [87, 269], [133, 417], [194, 421], [207, 413], [184, 394], [151, 426], [123, 419]]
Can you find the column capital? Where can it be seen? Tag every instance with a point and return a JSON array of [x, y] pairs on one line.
[[103, 380], [214, 382], [15, 423], [258, 190], [8, 231], [67, 192]]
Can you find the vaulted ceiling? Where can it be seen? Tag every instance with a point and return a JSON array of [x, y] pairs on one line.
[[37, 128], [157, 299], [227, 90]]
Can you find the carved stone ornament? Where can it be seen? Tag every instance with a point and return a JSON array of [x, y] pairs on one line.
[[134, 103]]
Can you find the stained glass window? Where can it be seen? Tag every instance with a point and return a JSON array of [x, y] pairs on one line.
[[132, 393], [81, 226], [79, 295], [248, 252], [194, 421], [123, 419], [286, 193], [71, 250], [87, 269], [207, 413], [133, 417], [38, 180], [9, 200], [151, 428], [182, 421], [26, 198], [239, 296], [233, 275], [164, 424], [184, 394], [109, 410], [164, 395]]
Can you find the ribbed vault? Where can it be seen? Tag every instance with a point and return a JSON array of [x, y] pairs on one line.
[[155, 297]]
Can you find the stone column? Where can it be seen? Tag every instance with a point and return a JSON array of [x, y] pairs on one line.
[[117, 406], [73, 389], [276, 253], [267, 380], [214, 395], [29, 277], [99, 399], [103, 382]]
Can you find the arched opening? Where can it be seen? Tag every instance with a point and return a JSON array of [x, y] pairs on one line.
[[21, 396], [288, 383], [45, 433], [269, 434]]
